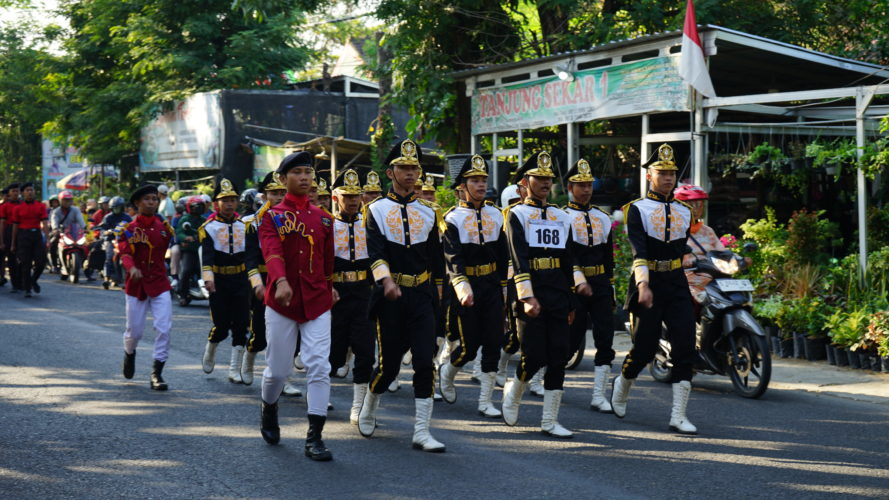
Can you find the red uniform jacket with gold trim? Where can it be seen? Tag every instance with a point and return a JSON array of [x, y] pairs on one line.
[[143, 244], [296, 239]]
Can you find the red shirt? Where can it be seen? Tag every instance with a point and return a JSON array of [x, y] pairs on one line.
[[142, 244], [29, 215], [6, 210], [98, 216], [297, 243]]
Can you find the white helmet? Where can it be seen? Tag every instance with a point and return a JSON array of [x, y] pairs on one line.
[[509, 192], [206, 198]]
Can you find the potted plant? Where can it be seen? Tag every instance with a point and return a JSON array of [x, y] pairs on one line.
[[787, 321], [875, 339], [814, 318], [766, 311], [846, 329]]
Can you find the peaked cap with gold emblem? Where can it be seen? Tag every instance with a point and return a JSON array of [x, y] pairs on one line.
[[404, 152], [271, 182], [347, 182], [474, 166], [322, 187], [429, 183], [581, 172], [664, 161], [538, 165], [372, 182], [224, 189]]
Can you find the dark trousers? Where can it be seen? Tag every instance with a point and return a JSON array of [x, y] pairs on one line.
[[9, 259], [402, 324], [672, 307], [511, 342], [230, 309], [596, 311], [189, 264], [350, 327], [31, 252], [257, 342], [479, 326], [544, 342]]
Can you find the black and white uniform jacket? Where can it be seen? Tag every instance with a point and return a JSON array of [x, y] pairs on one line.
[[475, 248], [351, 258], [592, 245], [223, 247]]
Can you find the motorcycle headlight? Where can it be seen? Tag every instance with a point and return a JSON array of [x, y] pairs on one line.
[[82, 240], [725, 266], [67, 240]]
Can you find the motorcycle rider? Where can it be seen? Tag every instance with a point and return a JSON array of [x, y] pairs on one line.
[[222, 239], [702, 238], [108, 226], [594, 264], [658, 228], [187, 235], [66, 218]]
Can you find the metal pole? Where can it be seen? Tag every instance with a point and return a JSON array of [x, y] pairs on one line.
[[644, 152], [572, 145], [862, 102], [521, 146], [494, 168], [332, 160], [699, 171]]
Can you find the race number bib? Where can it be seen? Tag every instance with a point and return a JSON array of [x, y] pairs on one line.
[[546, 234]]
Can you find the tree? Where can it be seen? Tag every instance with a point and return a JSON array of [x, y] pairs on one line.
[[129, 58]]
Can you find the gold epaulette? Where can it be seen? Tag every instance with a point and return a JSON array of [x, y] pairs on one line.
[[202, 233], [439, 219], [626, 208]]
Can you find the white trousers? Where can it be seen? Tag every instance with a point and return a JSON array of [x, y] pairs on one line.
[[162, 312], [281, 334]]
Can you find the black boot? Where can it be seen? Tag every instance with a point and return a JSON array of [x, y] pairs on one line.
[[269, 423], [157, 382], [129, 364], [315, 448]]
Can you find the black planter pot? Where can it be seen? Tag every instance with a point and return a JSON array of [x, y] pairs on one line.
[[786, 348], [831, 352], [815, 348], [775, 343], [854, 360], [874, 362], [864, 360], [799, 345], [841, 357], [884, 363]]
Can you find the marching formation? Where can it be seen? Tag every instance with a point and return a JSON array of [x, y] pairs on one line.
[[387, 279]]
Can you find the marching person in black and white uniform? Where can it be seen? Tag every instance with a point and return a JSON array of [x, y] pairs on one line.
[[658, 227], [539, 236], [223, 255], [351, 327], [406, 256], [593, 252], [477, 257]]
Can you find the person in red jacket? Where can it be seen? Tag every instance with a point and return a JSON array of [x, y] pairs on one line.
[[297, 245], [142, 245], [30, 232]]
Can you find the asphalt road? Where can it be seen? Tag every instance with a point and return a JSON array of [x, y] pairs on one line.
[[72, 427]]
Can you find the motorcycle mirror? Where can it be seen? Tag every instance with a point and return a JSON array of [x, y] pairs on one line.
[[750, 247]]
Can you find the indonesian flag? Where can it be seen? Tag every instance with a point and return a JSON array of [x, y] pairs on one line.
[[692, 65]]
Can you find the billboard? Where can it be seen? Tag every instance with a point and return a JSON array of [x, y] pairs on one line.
[[187, 137], [58, 161], [648, 86]]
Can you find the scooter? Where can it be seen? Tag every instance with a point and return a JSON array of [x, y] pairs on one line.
[[74, 251], [115, 278], [729, 340], [196, 288]]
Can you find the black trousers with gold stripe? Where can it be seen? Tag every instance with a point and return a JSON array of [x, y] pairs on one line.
[[480, 325], [596, 311], [672, 308], [511, 342], [350, 327], [230, 308], [545, 340], [402, 324], [257, 341]]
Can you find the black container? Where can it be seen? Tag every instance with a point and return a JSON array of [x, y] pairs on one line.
[[799, 345], [815, 348], [775, 343], [864, 360], [884, 363], [831, 354], [841, 357], [786, 348], [854, 360], [874, 362]]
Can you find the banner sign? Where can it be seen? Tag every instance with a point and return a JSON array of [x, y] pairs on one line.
[[58, 161], [189, 136], [648, 86], [266, 159]]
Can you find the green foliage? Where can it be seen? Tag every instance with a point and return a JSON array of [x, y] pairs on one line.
[[847, 328], [809, 235], [768, 308], [623, 259], [877, 336], [802, 315], [770, 236]]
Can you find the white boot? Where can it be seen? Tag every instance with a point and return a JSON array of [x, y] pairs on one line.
[[343, 371], [298, 363], [477, 368], [512, 398], [444, 354], [536, 383], [408, 358], [446, 375], [678, 421], [422, 439], [502, 365], [486, 407], [247, 367], [367, 416], [599, 402], [209, 360], [359, 391], [291, 389], [234, 367], [620, 392], [394, 386], [549, 424]]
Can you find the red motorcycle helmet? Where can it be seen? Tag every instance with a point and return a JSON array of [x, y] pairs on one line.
[[689, 192], [66, 195], [195, 205]]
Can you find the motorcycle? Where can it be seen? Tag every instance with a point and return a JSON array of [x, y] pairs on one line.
[[196, 288], [729, 340], [115, 278], [74, 251]]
